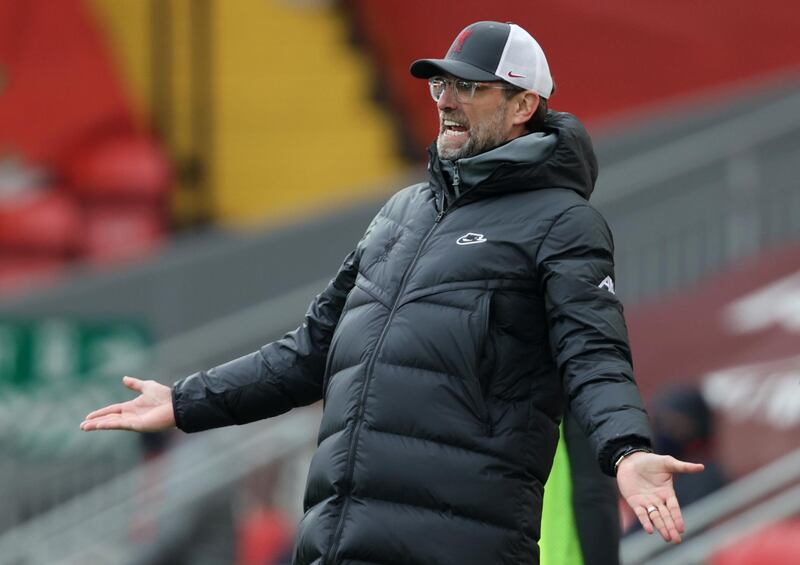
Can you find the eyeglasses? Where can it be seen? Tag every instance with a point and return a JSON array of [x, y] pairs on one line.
[[464, 90]]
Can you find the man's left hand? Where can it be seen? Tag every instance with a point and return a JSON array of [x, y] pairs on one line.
[[645, 482]]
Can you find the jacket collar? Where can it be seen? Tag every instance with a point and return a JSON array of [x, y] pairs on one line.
[[561, 156]]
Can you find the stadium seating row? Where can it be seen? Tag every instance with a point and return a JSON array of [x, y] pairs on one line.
[[79, 177]]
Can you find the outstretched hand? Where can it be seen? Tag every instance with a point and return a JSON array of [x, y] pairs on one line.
[[151, 411], [645, 482]]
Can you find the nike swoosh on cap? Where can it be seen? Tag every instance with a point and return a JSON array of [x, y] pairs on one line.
[[512, 74]]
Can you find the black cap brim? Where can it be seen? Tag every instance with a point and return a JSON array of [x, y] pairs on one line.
[[427, 68]]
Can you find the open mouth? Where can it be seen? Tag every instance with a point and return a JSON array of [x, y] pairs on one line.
[[450, 127]]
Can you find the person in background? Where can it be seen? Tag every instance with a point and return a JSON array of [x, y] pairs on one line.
[[580, 518], [683, 427]]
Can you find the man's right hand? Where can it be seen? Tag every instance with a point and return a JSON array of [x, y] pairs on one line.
[[151, 411]]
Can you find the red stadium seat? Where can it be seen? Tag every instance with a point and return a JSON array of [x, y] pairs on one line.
[[65, 112], [122, 185], [131, 168], [40, 221], [59, 86]]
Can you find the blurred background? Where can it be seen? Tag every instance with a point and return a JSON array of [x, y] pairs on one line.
[[178, 178]]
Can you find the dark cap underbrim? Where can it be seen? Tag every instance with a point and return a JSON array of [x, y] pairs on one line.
[[427, 68]]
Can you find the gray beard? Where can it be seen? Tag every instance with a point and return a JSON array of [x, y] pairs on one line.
[[482, 138]]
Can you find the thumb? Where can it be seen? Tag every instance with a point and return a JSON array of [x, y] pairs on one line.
[[678, 466], [133, 384]]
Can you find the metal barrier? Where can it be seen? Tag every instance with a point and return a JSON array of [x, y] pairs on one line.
[[97, 526], [697, 551], [685, 209], [34, 486]]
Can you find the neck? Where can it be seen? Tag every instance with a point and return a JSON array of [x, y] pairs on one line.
[[516, 131]]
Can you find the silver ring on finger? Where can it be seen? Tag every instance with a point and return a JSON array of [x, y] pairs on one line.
[[651, 509]]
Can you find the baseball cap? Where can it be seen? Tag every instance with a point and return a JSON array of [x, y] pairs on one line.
[[490, 51]]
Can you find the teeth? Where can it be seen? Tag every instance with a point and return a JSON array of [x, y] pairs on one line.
[[450, 123]]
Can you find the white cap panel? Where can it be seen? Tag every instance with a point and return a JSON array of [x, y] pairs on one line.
[[523, 63]]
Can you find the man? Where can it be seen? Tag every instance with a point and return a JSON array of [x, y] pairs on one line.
[[474, 308]]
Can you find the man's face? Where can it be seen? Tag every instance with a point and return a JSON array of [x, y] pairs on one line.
[[467, 128]]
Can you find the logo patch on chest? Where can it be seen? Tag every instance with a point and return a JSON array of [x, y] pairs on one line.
[[470, 238]]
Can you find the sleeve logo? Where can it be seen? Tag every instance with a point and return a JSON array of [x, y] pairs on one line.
[[608, 284]]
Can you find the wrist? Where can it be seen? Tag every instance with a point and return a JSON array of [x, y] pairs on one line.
[[626, 452]]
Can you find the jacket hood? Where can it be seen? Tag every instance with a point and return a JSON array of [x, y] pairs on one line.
[[560, 157]]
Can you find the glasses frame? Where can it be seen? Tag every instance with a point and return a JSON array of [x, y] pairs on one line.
[[465, 93]]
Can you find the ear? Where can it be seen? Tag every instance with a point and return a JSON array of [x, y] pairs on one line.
[[526, 104]]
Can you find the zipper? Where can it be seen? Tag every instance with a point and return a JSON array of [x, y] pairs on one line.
[[486, 311], [364, 391], [456, 181]]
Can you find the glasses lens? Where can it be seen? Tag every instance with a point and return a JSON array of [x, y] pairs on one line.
[[465, 90], [437, 86]]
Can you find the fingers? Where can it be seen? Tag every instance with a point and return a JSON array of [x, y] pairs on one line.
[[133, 384], [675, 511], [665, 518], [110, 409], [677, 466], [644, 519], [109, 422], [670, 531], [655, 517], [92, 420]]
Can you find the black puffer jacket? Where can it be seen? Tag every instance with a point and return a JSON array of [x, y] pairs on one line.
[[445, 349]]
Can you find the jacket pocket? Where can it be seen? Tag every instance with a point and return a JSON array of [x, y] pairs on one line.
[[476, 384], [326, 375]]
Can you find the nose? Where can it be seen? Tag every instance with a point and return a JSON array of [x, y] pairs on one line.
[[447, 101]]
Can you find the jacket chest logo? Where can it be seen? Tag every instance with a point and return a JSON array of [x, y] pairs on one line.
[[470, 238]]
